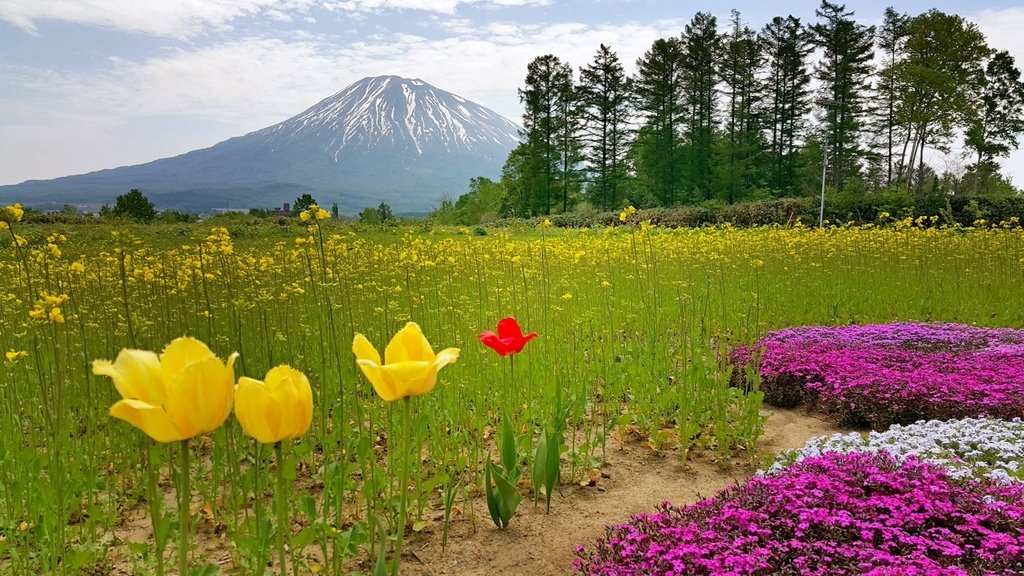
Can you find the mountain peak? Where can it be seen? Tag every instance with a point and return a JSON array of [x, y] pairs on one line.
[[383, 138], [396, 111]]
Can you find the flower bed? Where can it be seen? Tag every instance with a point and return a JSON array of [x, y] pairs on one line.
[[835, 514], [973, 448], [884, 374]]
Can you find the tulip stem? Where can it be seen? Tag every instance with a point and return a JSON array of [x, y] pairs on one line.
[[184, 516], [257, 473], [403, 483], [154, 508], [282, 508]]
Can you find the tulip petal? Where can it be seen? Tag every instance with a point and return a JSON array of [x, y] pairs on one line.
[[363, 350], [257, 412], [410, 378], [180, 354], [509, 328], [408, 345], [491, 340], [382, 385], [290, 389], [199, 398], [152, 420], [446, 357], [136, 375]]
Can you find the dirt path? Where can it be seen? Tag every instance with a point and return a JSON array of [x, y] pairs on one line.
[[637, 479], [634, 479]]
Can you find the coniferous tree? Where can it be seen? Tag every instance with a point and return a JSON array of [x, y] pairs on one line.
[[995, 129], [891, 38], [786, 45], [605, 92], [569, 146], [845, 74], [740, 144], [548, 88], [701, 53], [658, 101]]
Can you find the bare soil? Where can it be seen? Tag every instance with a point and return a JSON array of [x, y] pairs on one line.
[[635, 478]]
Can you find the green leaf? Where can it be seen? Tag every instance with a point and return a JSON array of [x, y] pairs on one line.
[[308, 506], [492, 495], [509, 456], [553, 467], [205, 570], [508, 500], [538, 469]]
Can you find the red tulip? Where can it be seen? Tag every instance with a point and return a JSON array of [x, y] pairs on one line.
[[509, 339]]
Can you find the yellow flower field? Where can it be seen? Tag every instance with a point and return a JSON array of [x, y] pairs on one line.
[[634, 324]]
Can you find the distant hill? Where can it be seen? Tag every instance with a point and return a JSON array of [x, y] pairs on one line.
[[382, 139]]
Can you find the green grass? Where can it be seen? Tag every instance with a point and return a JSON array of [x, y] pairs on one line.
[[635, 325]]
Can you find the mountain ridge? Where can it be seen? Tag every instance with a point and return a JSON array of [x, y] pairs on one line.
[[381, 139]]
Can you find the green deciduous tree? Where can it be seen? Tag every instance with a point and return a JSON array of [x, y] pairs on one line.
[[940, 78], [134, 205], [994, 131]]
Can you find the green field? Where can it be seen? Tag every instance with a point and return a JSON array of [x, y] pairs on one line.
[[634, 323]]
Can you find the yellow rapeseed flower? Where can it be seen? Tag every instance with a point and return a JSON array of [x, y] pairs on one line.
[[13, 354], [185, 391], [278, 408], [12, 213], [410, 366]]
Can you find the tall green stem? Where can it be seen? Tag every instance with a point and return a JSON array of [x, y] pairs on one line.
[[184, 516], [257, 474], [404, 480], [154, 508], [282, 508]]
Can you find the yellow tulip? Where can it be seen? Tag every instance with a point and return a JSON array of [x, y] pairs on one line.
[[410, 366], [278, 408], [184, 392]]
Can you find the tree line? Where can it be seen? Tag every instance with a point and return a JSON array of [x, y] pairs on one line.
[[723, 114]]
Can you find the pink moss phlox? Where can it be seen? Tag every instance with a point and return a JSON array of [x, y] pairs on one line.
[[883, 374], [837, 514]]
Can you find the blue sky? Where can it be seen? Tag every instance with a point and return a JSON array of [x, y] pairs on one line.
[[93, 84]]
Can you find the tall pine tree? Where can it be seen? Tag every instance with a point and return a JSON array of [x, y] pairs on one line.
[[845, 75], [605, 92], [701, 54], [891, 39], [740, 143], [658, 100], [546, 93], [786, 45]]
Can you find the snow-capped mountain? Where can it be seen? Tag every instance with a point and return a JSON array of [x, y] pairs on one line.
[[386, 138]]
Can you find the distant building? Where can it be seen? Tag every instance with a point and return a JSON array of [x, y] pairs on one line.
[[285, 210]]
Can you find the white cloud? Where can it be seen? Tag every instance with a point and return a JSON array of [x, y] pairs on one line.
[[438, 6], [243, 85], [168, 18]]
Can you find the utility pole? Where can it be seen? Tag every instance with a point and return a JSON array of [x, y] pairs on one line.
[[824, 165]]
